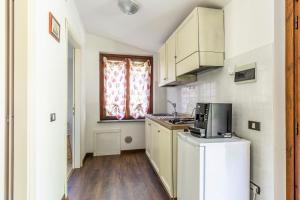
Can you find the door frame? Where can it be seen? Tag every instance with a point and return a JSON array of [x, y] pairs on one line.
[[76, 95], [290, 68], [76, 151], [9, 101], [73, 106], [6, 36]]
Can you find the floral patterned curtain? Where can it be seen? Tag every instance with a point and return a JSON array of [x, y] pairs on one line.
[[115, 88], [140, 88]]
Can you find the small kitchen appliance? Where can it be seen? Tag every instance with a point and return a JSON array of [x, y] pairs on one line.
[[212, 120]]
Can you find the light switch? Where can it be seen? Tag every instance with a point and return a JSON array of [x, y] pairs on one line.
[[254, 125], [52, 117]]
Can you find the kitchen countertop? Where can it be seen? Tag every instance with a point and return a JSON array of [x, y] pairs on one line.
[[163, 120]]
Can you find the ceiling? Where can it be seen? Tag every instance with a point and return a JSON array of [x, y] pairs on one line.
[[147, 29]]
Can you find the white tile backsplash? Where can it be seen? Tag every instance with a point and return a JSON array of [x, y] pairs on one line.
[[251, 101]]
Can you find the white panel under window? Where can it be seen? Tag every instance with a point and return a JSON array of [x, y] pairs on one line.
[[107, 142]]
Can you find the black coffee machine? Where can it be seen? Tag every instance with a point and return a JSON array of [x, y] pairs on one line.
[[212, 120]]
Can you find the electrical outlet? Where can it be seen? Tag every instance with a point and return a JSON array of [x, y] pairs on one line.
[[254, 125]]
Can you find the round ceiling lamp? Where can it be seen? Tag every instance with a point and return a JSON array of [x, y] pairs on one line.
[[128, 7]]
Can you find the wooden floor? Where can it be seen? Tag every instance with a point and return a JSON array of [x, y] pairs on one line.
[[125, 177]]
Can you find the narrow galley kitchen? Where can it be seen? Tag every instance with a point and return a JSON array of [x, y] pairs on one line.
[[182, 107], [149, 100]]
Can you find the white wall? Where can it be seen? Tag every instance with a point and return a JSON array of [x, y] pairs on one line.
[[20, 99], [279, 102], [249, 24], [95, 45], [249, 30], [2, 95], [47, 84]]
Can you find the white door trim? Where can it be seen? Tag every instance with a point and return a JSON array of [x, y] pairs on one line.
[[76, 150]]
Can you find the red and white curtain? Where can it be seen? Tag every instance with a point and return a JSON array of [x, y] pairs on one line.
[[140, 88], [127, 80], [115, 88]]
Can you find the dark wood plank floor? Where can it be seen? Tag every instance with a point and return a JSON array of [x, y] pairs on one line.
[[125, 177]]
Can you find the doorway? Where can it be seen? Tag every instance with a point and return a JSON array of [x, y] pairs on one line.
[[292, 100], [71, 108]]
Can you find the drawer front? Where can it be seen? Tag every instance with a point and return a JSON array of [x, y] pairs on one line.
[[189, 64]]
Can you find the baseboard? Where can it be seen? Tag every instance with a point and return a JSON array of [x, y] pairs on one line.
[[64, 197], [87, 155], [70, 174], [133, 151]]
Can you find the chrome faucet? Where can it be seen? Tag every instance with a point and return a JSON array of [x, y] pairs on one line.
[[174, 107]]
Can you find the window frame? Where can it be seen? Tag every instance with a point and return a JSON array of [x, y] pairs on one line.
[[120, 57]]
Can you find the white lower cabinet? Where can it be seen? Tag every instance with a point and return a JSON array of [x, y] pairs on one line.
[[165, 158], [155, 146], [148, 137], [161, 149]]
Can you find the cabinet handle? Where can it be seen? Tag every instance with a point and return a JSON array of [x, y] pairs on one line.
[[149, 124], [165, 78], [158, 131]]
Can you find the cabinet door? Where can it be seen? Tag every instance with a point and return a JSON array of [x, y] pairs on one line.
[[165, 157], [162, 65], [170, 59], [187, 37], [211, 30], [155, 146], [211, 37], [148, 138]]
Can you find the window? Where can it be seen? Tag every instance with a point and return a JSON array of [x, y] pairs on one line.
[[125, 87]]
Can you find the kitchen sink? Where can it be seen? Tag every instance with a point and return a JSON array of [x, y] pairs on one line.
[[161, 114], [182, 121]]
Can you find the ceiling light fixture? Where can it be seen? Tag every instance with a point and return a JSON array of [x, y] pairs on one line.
[[128, 7]]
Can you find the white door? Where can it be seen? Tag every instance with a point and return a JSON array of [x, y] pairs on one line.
[[71, 109]]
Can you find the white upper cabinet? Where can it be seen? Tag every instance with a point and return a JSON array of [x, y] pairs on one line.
[[170, 59], [197, 45], [187, 37], [211, 30], [162, 66], [168, 75], [200, 41], [211, 37]]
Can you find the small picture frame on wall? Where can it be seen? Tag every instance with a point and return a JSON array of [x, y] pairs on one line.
[[54, 27]]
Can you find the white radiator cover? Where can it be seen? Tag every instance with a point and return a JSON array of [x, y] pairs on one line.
[[107, 142]]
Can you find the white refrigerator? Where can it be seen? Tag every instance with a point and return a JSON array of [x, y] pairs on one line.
[[213, 169]]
